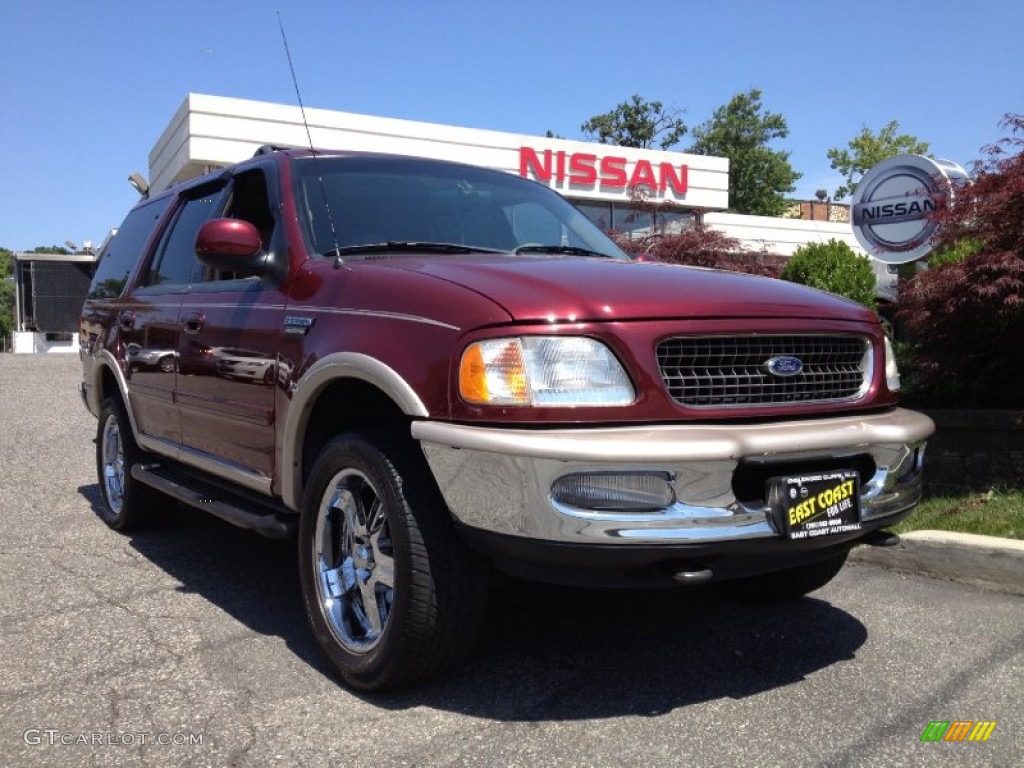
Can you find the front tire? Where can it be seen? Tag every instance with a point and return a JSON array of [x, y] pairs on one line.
[[391, 593], [785, 585], [126, 504]]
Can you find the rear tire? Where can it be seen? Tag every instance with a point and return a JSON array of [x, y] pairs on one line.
[[391, 593], [784, 585], [126, 504]]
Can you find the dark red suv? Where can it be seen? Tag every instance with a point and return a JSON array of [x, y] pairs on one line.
[[427, 370]]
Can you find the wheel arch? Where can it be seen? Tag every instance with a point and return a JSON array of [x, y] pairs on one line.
[[342, 391], [109, 380]]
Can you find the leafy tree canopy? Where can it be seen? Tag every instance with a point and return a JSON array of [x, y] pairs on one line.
[[6, 292], [865, 150], [988, 211], [637, 123], [964, 318], [758, 176]]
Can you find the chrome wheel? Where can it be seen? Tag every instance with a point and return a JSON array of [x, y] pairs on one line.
[[391, 593], [112, 452], [126, 504], [354, 561]]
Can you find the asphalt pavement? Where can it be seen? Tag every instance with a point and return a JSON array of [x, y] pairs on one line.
[[187, 646]]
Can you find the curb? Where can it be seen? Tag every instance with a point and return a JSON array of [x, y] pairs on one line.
[[988, 562]]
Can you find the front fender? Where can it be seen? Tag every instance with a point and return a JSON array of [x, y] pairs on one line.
[[340, 365]]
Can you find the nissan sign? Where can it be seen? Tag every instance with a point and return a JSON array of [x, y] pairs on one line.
[[584, 169], [893, 202]]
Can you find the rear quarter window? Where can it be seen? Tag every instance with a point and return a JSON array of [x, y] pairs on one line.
[[125, 249]]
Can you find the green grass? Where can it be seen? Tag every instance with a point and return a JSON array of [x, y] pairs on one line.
[[992, 514]]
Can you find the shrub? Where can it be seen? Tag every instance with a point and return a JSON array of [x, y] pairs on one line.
[[964, 323], [955, 252], [833, 267]]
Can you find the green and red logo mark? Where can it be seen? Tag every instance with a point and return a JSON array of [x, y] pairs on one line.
[[958, 730]]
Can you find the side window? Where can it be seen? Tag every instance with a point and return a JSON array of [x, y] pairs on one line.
[[247, 200], [175, 262], [125, 249]]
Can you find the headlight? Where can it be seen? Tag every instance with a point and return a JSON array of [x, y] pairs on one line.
[[892, 373], [541, 371]]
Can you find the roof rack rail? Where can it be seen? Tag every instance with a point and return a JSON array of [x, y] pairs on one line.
[[266, 149]]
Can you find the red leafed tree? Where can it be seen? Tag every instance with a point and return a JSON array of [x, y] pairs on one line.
[[964, 321], [704, 248], [696, 247], [716, 250]]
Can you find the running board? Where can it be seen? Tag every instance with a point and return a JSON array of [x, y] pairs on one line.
[[229, 507]]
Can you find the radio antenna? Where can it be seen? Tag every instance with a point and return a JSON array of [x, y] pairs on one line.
[[338, 262]]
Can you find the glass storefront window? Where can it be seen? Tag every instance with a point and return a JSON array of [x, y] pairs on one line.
[[638, 222], [675, 222], [598, 213]]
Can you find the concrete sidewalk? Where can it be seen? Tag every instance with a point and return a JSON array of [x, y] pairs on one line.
[[984, 561]]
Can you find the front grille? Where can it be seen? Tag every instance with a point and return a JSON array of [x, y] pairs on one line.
[[732, 371]]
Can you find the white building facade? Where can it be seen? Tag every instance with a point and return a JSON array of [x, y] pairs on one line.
[[603, 181]]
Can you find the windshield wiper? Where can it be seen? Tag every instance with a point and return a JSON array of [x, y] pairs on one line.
[[570, 249], [408, 246]]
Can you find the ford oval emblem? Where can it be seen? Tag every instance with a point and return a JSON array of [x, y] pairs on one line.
[[784, 365]]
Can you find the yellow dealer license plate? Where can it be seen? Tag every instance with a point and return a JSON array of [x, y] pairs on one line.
[[812, 505]]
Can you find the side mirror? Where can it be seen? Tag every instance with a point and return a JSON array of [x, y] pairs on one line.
[[231, 245], [645, 256]]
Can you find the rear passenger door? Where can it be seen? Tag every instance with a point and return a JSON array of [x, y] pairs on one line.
[[230, 328]]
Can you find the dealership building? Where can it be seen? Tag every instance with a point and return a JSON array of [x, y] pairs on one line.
[[637, 192], [633, 191]]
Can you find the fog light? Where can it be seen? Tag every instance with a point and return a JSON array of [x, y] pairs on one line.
[[620, 491]]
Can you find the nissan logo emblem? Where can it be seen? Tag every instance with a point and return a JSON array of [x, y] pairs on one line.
[[893, 202]]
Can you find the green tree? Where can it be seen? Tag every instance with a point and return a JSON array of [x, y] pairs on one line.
[[865, 150], [758, 175], [6, 292], [637, 123]]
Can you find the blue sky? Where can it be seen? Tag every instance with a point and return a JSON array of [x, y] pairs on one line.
[[87, 87]]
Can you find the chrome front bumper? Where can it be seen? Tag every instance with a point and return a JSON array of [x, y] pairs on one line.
[[499, 480]]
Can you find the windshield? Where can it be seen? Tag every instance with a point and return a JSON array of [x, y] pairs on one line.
[[376, 200]]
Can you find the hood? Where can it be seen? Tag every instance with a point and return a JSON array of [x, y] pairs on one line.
[[573, 289]]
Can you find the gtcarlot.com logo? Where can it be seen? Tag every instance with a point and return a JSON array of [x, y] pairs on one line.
[[958, 730], [54, 736]]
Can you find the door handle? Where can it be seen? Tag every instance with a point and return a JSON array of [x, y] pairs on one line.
[[194, 322], [127, 320]]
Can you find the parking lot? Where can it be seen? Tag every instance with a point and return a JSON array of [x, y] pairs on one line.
[[188, 646]]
